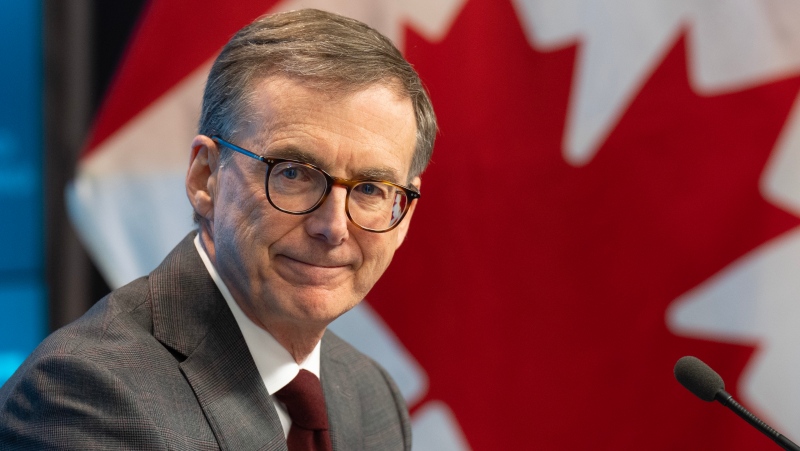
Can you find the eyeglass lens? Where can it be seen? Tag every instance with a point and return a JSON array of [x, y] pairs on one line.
[[297, 188]]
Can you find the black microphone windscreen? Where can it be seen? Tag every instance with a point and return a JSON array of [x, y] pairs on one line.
[[698, 378]]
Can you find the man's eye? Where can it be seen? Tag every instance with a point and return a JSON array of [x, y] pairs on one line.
[[374, 190]]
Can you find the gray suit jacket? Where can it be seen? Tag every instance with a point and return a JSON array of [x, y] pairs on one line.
[[161, 364]]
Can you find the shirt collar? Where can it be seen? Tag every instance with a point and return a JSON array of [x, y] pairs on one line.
[[274, 363]]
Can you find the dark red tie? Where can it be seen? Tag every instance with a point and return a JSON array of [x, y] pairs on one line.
[[306, 405]]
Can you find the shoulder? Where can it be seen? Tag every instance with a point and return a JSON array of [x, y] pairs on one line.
[[364, 391], [122, 318], [55, 401], [117, 326], [99, 382], [357, 364]]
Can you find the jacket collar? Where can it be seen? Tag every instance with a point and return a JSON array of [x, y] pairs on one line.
[[191, 318]]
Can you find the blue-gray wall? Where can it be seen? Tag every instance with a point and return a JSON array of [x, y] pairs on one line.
[[23, 297]]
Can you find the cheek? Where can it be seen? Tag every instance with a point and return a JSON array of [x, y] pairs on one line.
[[378, 252], [238, 227], [237, 223], [242, 205]]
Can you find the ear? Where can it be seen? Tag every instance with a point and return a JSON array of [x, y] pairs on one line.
[[402, 229], [201, 178]]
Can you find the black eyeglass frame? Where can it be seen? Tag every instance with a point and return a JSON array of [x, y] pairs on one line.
[[330, 181]]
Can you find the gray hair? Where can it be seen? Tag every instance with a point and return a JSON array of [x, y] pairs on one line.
[[325, 51]]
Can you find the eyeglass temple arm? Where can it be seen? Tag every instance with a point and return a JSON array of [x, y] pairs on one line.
[[236, 148]]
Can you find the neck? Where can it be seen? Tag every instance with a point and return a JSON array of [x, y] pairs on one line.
[[299, 343]]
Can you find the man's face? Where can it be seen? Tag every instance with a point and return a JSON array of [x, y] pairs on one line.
[[305, 270]]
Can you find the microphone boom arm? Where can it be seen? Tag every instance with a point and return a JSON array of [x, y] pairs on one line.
[[727, 400]]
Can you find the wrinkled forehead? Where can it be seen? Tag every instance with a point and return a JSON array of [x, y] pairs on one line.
[[284, 110], [330, 90]]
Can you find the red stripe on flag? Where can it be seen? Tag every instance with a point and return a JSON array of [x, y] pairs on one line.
[[194, 30]]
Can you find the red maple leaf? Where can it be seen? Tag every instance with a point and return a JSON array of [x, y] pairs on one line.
[[534, 292]]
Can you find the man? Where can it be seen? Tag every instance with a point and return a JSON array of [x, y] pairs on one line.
[[304, 177]]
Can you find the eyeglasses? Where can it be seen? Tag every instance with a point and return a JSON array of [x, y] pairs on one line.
[[298, 188]]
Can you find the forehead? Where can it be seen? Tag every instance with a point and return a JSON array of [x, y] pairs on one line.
[[372, 129]]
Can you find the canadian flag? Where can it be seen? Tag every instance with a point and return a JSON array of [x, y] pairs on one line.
[[616, 184]]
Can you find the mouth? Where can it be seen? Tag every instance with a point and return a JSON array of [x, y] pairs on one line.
[[314, 264], [307, 272]]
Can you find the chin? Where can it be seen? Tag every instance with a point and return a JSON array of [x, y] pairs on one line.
[[322, 308]]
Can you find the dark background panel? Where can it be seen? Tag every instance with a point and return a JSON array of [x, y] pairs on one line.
[[84, 42]]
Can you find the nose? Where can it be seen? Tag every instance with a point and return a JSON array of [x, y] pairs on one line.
[[329, 222]]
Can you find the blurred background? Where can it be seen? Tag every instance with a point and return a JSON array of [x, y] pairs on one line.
[[61, 57], [616, 184]]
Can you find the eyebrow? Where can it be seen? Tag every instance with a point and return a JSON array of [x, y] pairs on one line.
[[386, 174], [372, 173], [293, 153]]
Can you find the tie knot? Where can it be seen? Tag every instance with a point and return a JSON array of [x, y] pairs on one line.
[[304, 401]]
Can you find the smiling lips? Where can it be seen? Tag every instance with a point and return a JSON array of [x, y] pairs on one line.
[[313, 273], [317, 265]]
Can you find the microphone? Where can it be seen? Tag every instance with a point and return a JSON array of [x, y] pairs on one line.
[[707, 385]]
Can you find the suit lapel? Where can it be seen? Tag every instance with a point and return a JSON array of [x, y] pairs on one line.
[[230, 391], [341, 398], [191, 317]]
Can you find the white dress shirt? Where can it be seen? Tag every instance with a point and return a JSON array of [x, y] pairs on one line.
[[274, 363]]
